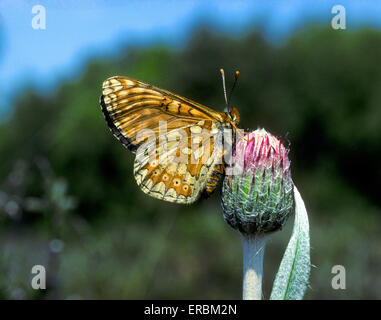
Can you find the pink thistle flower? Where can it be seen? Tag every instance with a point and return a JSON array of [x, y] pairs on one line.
[[258, 196]]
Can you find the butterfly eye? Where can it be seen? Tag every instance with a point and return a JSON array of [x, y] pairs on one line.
[[235, 115], [176, 182], [156, 172], [165, 177], [185, 187]]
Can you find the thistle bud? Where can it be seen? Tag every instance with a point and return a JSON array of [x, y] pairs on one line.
[[258, 194]]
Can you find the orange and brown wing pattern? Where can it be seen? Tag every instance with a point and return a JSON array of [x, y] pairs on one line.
[[189, 163], [189, 166], [130, 106]]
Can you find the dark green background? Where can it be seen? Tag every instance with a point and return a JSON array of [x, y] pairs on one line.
[[64, 176]]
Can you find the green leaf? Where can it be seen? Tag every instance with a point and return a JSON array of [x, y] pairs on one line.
[[294, 271]]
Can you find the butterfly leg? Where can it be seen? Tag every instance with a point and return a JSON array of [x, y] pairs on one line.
[[223, 165], [239, 132]]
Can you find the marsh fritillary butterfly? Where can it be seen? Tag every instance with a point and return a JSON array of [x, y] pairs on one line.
[[131, 106]]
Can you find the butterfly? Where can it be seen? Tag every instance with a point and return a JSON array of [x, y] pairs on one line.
[[131, 107]]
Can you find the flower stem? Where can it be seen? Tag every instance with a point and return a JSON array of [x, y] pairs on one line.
[[253, 250]]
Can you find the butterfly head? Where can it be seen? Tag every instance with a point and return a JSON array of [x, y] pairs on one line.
[[234, 115]]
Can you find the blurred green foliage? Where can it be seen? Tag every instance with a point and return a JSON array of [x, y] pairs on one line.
[[68, 199]]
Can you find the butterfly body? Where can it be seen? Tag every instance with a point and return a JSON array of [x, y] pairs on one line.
[[185, 162]]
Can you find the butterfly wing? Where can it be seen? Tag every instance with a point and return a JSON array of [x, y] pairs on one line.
[[131, 107], [189, 165]]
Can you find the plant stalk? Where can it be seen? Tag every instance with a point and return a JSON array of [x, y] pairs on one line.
[[253, 250]]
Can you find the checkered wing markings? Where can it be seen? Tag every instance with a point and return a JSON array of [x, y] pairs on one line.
[[130, 106], [180, 181]]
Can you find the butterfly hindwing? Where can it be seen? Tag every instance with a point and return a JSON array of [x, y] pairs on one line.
[[187, 167]]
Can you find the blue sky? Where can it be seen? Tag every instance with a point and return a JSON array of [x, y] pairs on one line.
[[76, 30]]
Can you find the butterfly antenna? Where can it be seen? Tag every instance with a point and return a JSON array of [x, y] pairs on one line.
[[224, 87], [231, 91]]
